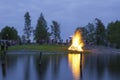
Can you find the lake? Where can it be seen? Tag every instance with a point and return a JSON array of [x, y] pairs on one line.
[[63, 66]]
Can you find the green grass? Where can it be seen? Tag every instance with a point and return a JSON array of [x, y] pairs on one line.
[[44, 48], [48, 48]]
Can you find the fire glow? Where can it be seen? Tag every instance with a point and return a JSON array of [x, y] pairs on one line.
[[74, 63], [77, 41]]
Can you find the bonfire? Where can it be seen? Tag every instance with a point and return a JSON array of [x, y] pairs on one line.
[[77, 41]]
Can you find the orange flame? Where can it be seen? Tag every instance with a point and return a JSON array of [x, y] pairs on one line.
[[77, 41]]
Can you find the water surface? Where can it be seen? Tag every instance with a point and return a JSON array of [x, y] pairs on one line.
[[63, 66]]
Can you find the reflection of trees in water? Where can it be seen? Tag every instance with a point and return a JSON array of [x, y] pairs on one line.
[[13, 59], [55, 62], [27, 68], [49, 59], [99, 63], [12, 65], [42, 68], [4, 64], [114, 64]]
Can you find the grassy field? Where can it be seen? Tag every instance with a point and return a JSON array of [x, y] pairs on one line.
[[44, 48], [49, 48]]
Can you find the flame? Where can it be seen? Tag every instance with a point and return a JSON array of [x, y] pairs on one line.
[[77, 41]]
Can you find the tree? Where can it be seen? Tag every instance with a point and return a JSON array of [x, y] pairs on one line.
[[9, 33], [113, 33], [27, 27], [23, 39], [84, 32], [41, 31], [100, 32], [90, 32], [55, 30], [0, 35]]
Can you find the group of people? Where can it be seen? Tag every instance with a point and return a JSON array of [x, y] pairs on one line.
[[4, 45]]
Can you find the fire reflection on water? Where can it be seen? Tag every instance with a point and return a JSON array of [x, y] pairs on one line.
[[75, 63]]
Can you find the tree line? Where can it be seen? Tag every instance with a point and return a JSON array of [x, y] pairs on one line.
[[41, 33], [99, 34], [94, 33]]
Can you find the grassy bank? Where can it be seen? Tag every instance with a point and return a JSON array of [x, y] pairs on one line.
[[45, 47], [49, 48]]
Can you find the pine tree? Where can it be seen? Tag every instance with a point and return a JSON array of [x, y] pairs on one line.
[[27, 27], [113, 33], [100, 32], [55, 30], [41, 31]]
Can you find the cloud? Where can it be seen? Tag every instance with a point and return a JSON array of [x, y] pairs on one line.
[[69, 13]]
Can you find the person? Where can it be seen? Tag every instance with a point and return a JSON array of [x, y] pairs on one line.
[[2, 46], [6, 45]]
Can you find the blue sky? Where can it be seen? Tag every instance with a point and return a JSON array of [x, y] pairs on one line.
[[70, 14]]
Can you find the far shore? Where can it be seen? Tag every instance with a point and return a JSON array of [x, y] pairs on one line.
[[59, 49]]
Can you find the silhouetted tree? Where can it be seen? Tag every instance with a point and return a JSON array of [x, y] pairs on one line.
[[113, 33], [41, 31], [23, 40], [100, 32], [0, 35], [84, 32], [27, 27], [9, 33], [55, 30], [90, 32]]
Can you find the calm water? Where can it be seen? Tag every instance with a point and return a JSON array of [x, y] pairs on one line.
[[60, 67]]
